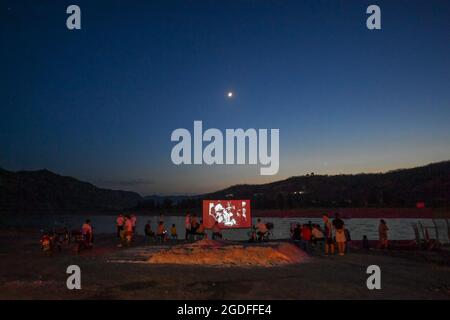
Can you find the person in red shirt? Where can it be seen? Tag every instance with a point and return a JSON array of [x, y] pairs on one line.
[[306, 238], [86, 230], [306, 233], [120, 221]]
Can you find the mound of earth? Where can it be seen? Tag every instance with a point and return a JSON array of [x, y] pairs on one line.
[[218, 253]]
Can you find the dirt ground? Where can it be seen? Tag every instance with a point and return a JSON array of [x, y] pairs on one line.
[[27, 273]]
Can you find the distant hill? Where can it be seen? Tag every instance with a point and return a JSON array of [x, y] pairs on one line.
[[173, 198], [45, 191], [398, 188]]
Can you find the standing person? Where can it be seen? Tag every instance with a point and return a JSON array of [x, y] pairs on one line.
[[328, 233], [119, 224], [187, 225], [338, 225], [86, 231], [348, 239], [306, 238], [253, 234], [128, 233], [383, 234], [149, 234], [133, 223], [216, 232]]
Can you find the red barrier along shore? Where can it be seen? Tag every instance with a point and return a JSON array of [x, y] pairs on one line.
[[348, 213]]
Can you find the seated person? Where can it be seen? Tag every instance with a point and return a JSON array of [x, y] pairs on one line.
[[261, 229], [365, 243], [317, 234], [46, 242], [252, 234], [200, 229], [161, 231], [216, 233], [194, 224], [173, 232], [297, 233], [148, 230]]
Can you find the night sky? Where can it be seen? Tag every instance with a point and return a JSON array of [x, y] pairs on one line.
[[100, 103]]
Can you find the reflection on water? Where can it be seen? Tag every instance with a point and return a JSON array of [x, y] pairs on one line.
[[399, 229]]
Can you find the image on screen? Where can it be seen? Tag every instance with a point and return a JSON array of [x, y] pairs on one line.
[[228, 213]]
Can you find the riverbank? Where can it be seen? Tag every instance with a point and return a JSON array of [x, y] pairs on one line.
[[27, 273]]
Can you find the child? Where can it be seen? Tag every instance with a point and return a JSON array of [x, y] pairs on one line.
[[173, 232]]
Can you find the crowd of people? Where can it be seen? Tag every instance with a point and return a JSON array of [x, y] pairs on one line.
[[161, 234], [126, 228], [332, 236], [196, 230]]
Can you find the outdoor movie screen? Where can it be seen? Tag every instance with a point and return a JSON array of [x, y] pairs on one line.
[[228, 213]]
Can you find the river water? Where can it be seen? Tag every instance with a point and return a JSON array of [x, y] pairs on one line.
[[399, 229]]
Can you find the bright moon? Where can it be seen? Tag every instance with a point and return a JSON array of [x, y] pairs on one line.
[[230, 94]]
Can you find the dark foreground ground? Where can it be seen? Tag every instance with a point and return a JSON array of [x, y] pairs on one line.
[[27, 273]]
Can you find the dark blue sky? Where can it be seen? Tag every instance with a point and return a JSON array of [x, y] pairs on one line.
[[100, 103]]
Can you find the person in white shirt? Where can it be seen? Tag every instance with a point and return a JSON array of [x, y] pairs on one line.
[[318, 238], [317, 233]]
